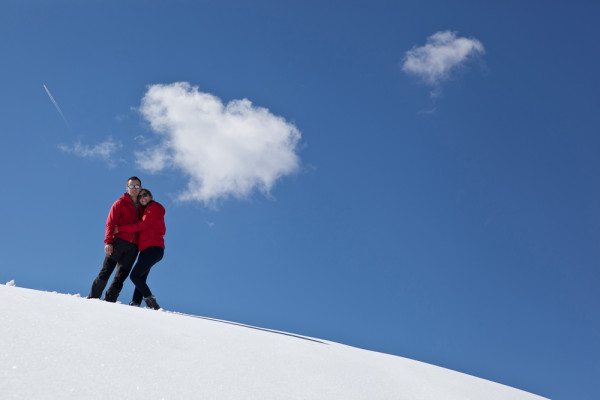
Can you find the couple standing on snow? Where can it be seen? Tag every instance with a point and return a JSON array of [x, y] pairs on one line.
[[135, 221]]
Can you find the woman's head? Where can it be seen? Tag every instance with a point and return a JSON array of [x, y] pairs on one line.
[[145, 197]]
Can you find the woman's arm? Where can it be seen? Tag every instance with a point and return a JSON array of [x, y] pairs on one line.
[[152, 213]]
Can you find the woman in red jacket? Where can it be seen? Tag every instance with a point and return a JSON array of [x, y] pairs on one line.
[[151, 245]]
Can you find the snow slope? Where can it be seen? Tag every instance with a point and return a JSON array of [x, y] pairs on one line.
[[56, 346]]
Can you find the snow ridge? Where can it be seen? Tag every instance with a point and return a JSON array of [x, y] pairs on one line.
[[64, 346]]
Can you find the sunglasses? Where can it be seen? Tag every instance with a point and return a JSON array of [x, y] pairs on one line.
[[144, 195], [134, 186]]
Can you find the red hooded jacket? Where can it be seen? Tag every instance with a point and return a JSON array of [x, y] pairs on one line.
[[122, 212], [151, 228]]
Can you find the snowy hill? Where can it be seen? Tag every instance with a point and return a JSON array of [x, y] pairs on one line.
[[56, 346]]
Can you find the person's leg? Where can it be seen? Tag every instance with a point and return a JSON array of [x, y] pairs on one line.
[[124, 266], [137, 296], [108, 266], [139, 274]]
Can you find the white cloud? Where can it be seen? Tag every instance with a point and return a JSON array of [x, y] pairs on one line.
[[428, 111], [104, 151], [443, 53], [225, 150]]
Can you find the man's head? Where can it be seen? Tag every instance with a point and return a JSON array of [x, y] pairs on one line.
[[134, 185]]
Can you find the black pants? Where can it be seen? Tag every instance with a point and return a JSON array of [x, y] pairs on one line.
[[123, 257], [147, 259]]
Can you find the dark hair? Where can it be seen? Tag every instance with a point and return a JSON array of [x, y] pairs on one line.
[[147, 191], [135, 178]]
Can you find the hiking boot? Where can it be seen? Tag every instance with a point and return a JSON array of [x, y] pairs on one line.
[[134, 304], [151, 302], [112, 293]]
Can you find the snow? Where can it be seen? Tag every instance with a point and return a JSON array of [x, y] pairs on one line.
[[58, 346]]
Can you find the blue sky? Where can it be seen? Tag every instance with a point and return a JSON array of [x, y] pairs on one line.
[[416, 178]]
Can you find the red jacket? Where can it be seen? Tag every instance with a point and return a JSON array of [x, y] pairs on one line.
[[151, 228], [122, 212]]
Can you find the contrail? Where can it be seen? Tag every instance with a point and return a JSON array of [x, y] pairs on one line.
[[55, 104]]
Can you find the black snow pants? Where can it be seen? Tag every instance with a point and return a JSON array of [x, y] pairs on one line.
[[147, 259], [123, 257]]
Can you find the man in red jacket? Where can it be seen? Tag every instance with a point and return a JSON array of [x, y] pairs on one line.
[[121, 249]]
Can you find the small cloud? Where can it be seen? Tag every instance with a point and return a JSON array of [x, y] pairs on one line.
[[154, 159], [443, 53], [103, 151], [427, 112], [141, 140], [224, 150]]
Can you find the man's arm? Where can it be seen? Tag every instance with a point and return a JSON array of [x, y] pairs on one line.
[[111, 223]]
